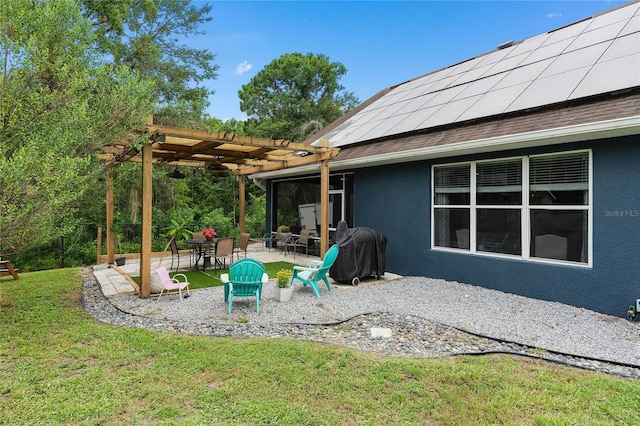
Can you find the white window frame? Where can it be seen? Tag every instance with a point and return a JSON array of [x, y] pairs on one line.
[[525, 211]]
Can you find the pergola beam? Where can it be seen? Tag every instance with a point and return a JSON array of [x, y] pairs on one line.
[[224, 137]]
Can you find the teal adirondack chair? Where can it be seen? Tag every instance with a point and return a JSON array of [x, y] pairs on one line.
[[245, 280], [316, 271]]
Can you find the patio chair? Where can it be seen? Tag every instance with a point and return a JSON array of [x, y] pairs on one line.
[[270, 240], [244, 280], [551, 246], [175, 253], [224, 249], [170, 284], [462, 235], [494, 246], [316, 271], [302, 242], [242, 245]]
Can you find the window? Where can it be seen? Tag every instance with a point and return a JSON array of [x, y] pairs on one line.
[[499, 206], [452, 198], [559, 193], [494, 206]]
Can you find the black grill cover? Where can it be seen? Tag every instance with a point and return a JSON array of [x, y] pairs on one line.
[[361, 255]]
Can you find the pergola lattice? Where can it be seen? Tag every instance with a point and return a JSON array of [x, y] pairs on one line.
[[218, 150]]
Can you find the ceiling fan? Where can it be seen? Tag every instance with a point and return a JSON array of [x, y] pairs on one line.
[[176, 174]]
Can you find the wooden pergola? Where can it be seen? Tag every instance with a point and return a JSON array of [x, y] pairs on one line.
[[197, 148]]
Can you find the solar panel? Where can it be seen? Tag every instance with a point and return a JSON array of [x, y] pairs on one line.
[[527, 46], [549, 90], [633, 26], [406, 123], [382, 127], [416, 103], [464, 67], [548, 51], [622, 14], [576, 59], [570, 31], [608, 76], [479, 87], [411, 121], [621, 47], [523, 74], [596, 55], [494, 102], [507, 64], [449, 112], [390, 110], [473, 74], [346, 137], [596, 36]]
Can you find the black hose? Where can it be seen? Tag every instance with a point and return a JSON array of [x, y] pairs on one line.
[[564, 354]]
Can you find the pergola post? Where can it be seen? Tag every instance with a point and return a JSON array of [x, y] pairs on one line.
[[99, 246], [110, 245], [145, 249], [324, 202], [241, 198]]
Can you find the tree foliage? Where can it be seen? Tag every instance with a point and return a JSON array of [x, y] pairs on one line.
[[232, 125], [148, 37], [294, 95], [58, 102]]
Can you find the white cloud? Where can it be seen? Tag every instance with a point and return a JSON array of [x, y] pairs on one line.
[[554, 15], [243, 67]]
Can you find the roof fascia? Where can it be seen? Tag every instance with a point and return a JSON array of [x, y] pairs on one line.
[[560, 135]]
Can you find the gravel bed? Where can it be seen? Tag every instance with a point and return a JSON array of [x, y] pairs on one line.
[[424, 317]]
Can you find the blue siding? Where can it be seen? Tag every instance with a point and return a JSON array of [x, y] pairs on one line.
[[395, 200]]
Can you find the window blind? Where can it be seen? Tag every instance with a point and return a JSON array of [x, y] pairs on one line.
[[568, 172], [499, 176], [452, 179]]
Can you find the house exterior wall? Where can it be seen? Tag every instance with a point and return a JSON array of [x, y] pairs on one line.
[[395, 200]]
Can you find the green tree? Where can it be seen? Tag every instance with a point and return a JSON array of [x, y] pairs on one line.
[[294, 95], [148, 37], [58, 103], [230, 126], [256, 208]]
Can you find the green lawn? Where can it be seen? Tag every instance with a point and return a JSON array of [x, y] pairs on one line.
[[60, 366], [211, 278]]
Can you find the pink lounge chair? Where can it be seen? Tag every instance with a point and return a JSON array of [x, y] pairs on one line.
[[174, 283]]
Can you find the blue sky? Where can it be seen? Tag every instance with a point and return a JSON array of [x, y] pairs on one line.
[[381, 43]]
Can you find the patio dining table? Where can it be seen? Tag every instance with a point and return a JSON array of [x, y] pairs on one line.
[[200, 246]]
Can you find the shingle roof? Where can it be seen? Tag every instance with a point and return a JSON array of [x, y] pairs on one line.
[[607, 107], [560, 78]]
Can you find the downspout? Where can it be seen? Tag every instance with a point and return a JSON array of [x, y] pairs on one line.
[[259, 184]]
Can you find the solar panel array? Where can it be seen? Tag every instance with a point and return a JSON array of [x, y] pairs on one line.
[[590, 57]]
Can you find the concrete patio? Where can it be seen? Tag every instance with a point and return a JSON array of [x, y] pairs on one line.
[[114, 280]]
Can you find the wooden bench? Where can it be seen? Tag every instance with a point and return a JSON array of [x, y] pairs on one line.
[[6, 269]]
